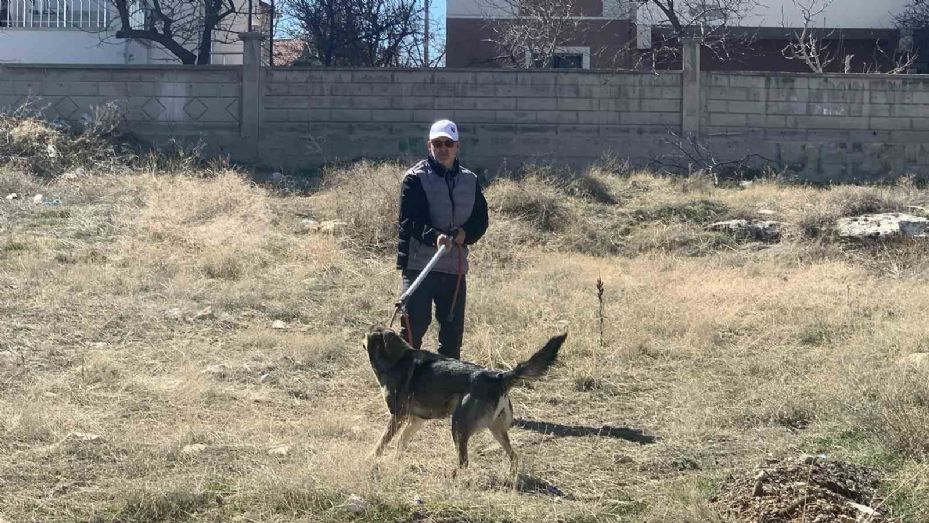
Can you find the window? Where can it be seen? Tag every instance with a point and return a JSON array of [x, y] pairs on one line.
[[564, 58], [568, 61]]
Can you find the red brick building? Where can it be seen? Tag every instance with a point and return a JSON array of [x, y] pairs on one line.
[[604, 32], [611, 34]]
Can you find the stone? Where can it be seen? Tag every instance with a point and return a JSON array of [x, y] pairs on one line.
[[37, 199], [218, 370], [917, 360], [174, 313], [278, 324], [865, 510], [765, 230], [203, 314], [265, 378], [84, 437], [884, 225], [73, 175], [326, 227], [12, 196], [357, 505], [194, 448], [280, 451]]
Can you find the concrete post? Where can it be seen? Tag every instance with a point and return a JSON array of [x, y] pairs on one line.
[[690, 108], [250, 116]]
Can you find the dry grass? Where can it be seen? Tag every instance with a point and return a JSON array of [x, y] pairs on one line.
[[140, 310]]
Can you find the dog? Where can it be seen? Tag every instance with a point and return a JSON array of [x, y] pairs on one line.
[[420, 385]]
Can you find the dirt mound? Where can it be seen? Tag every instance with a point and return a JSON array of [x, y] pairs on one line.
[[811, 489]]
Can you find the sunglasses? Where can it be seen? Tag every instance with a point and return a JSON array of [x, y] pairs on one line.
[[443, 143]]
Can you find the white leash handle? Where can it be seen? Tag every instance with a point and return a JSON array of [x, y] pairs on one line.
[[422, 276]]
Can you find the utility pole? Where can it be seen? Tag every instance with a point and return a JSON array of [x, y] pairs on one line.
[[426, 35]]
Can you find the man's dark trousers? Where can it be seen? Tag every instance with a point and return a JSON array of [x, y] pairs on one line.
[[438, 288]]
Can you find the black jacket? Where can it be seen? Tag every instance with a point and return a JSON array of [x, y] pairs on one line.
[[414, 221]]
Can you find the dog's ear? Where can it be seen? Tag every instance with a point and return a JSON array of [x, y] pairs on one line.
[[394, 346]]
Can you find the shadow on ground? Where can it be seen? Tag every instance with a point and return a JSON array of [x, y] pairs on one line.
[[606, 431], [528, 484]]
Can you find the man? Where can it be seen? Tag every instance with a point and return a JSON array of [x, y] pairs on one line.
[[441, 203]]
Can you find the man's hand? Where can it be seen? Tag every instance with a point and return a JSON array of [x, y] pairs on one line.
[[443, 240]]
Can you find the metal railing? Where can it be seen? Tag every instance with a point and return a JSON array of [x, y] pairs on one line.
[[55, 14]]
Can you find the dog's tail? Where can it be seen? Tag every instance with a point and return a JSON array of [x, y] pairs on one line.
[[537, 365]]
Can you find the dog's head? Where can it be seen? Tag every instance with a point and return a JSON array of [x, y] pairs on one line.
[[385, 347]]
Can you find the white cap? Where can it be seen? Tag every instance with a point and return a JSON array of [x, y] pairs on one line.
[[446, 128]]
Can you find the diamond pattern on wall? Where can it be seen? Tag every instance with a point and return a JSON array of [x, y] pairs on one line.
[[153, 109], [233, 108], [66, 107], [195, 108]]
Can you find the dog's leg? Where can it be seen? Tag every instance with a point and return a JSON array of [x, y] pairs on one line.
[[499, 428], [464, 422], [393, 425], [411, 428]]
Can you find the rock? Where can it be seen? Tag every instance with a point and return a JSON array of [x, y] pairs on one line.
[[75, 174], [174, 313], [758, 489], [326, 227], [867, 511], [218, 370], [684, 463], [194, 448], [265, 378], [357, 505], [12, 196], [418, 500], [278, 324], [883, 225], [810, 459], [917, 360], [766, 212], [203, 314], [280, 451], [764, 230], [84, 437], [622, 458], [37, 199]]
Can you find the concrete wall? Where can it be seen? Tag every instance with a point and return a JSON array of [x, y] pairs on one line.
[[826, 127], [315, 115], [829, 127], [160, 102]]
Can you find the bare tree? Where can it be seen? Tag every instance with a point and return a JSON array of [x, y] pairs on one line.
[[378, 33], [808, 46], [528, 33], [915, 16], [914, 23], [186, 28], [814, 46], [708, 20]]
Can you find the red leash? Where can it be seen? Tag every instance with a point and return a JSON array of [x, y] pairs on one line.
[[451, 311]]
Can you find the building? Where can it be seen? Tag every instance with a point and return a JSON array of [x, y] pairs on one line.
[[84, 32], [602, 32], [857, 35]]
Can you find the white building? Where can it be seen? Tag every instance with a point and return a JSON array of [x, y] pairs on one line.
[[83, 32]]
